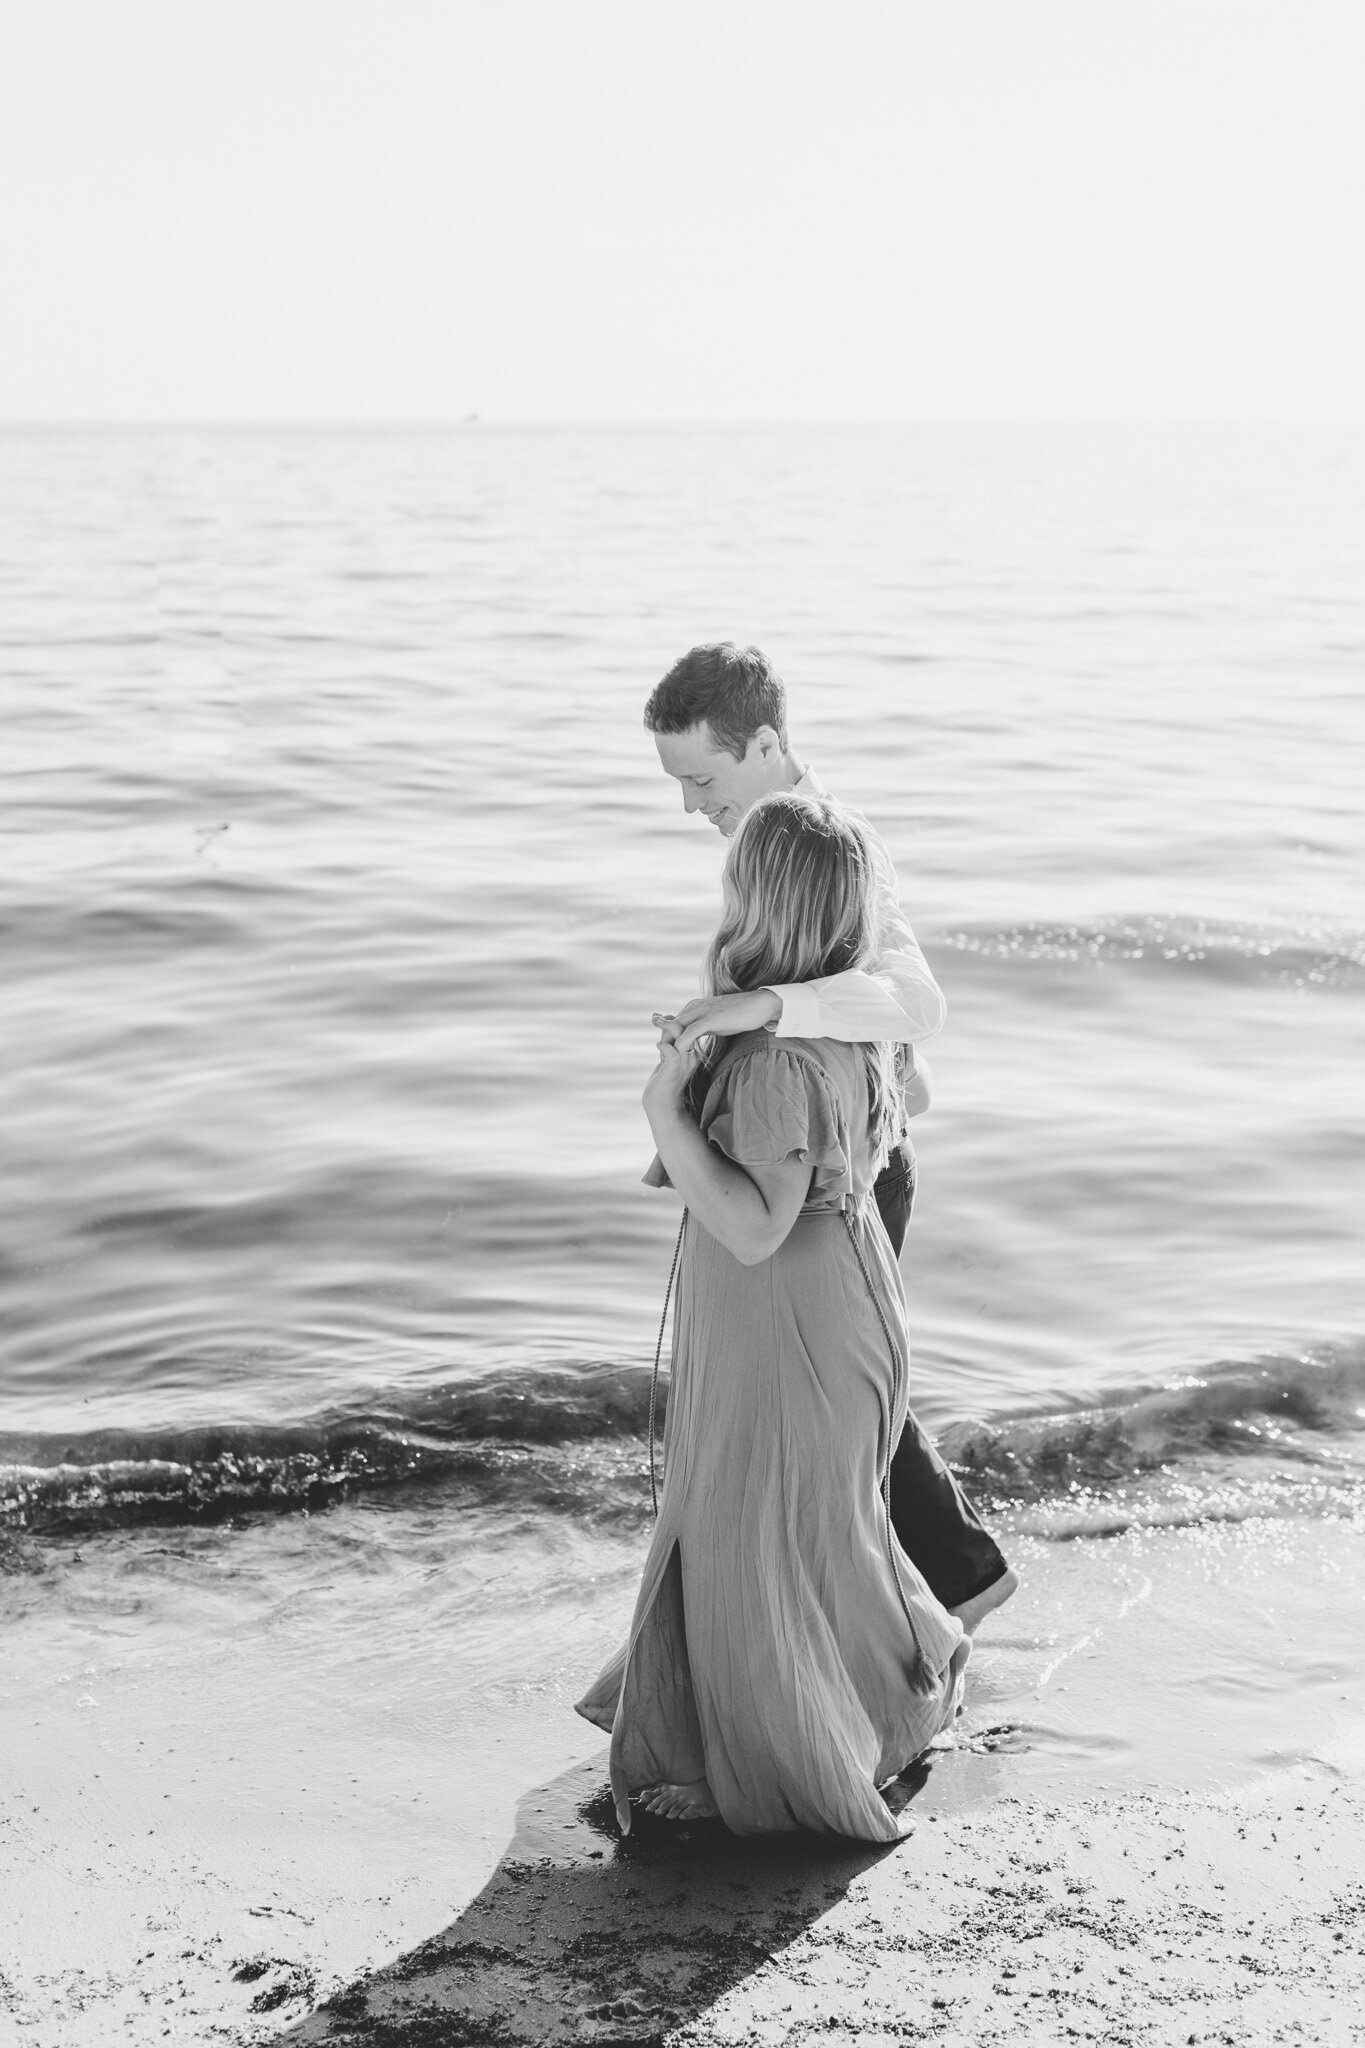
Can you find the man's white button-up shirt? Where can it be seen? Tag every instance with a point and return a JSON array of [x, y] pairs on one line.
[[899, 999]]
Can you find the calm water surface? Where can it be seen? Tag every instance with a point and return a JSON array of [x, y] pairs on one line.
[[338, 880]]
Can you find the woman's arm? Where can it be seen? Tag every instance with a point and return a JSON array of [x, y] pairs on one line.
[[749, 1209]]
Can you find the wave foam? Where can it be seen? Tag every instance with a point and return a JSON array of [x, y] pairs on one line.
[[571, 1442], [1280, 1435]]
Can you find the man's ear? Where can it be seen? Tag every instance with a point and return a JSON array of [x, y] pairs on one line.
[[767, 742]]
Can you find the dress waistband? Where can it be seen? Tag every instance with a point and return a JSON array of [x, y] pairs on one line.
[[848, 1204]]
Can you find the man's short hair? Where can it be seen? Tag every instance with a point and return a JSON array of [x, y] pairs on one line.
[[734, 689]]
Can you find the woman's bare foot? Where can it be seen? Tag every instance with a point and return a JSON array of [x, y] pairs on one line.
[[679, 1802], [971, 1613]]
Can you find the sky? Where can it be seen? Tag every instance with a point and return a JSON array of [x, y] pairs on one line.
[[1030, 210]]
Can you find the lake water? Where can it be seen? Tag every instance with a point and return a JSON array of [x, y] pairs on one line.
[[339, 880]]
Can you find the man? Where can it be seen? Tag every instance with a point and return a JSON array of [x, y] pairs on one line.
[[719, 720]]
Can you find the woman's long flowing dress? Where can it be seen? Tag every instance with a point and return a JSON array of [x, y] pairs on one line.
[[784, 1647]]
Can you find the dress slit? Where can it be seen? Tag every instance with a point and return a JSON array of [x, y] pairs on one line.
[[656, 1728]]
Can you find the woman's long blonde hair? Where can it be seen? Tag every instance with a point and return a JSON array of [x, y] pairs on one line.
[[800, 900]]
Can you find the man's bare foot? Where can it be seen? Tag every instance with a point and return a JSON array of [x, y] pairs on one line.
[[679, 1802], [971, 1613]]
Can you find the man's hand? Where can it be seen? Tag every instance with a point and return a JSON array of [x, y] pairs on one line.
[[724, 1016]]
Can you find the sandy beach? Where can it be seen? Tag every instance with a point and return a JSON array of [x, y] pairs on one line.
[[1158, 1921], [1146, 1828]]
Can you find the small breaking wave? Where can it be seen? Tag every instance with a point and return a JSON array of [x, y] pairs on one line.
[[510, 1437], [1280, 1434], [1230, 952], [573, 1442]]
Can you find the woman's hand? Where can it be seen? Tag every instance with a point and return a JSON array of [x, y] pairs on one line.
[[667, 1085]]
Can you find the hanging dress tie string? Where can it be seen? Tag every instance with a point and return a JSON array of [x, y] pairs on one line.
[[658, 1354]]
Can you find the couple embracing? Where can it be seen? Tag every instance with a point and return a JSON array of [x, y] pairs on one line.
[[815, 1575]]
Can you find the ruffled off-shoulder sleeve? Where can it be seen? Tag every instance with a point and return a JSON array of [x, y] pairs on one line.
[[770, 1105]]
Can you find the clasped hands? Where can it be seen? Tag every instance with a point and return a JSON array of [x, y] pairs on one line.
[[724, 1016], [718, 1016]]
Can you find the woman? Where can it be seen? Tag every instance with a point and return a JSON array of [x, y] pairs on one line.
[[786, 1659]]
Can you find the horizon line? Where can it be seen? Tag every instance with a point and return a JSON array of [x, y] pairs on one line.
[[454, 422]]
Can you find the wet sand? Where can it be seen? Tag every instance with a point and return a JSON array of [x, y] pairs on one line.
[[1157, 1921], [1146, 1828]]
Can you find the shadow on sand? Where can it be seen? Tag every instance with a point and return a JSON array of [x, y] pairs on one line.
[[582, 1936]]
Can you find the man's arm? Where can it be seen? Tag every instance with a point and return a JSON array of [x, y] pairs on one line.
[[898, 1000]]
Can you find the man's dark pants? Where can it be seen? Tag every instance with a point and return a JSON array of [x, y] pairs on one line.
[[939, 1529]]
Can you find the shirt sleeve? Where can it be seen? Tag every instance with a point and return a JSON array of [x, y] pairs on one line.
[[772, 1105], [899, 999]]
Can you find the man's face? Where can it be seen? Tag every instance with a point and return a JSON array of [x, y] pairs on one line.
[[712, 780]]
